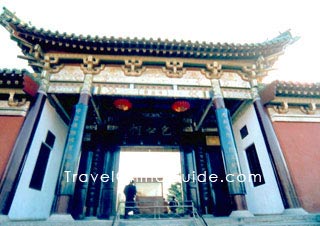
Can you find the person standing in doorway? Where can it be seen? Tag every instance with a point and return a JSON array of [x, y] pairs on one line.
[[130, 192], [173, 204]]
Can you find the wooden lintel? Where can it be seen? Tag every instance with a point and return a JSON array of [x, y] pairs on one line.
[[237, 64]]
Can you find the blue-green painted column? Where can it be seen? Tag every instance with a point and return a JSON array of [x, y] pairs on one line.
[[72, 151], [229, 149], [73, 148]]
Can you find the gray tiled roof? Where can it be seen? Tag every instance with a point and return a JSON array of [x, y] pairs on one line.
[[12, 78], [57, 41]]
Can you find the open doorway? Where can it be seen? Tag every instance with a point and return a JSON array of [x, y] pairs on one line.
[[156, 172]]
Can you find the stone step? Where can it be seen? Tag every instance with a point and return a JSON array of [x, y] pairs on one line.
[[271, 220], [159, 222]]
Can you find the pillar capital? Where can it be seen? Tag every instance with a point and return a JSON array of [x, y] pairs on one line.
[[254, 89], [217, 93], [87, 84], [218, 100], [44, 82]]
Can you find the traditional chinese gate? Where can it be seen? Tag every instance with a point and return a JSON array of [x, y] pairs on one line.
[[116, 109], [149, 121], [82, 77]]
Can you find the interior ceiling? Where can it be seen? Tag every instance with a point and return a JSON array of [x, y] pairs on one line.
[[146, 111]]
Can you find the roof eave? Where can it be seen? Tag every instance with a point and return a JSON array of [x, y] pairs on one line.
[[20, 32]]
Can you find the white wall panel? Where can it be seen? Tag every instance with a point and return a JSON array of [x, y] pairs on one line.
[[265, 198], [30, 203]]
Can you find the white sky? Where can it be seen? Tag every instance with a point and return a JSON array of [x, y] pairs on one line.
[[145, 164], [201, 20]]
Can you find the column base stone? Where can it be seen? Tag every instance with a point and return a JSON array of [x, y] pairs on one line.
[[3, 218], [295, 211], [241, 213], [60, 217]]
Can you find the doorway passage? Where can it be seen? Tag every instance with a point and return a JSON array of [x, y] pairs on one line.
[[156, 172]]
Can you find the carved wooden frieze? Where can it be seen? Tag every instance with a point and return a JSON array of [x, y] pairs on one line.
[[310, 109], [65, 87], [231, 79], [236, 93], [263, 66], [306, 105], [52, 65], [68, 74], [151, 90], [281, 109], [109, 89], [113, 80], [213, 70], [174, 69], [195, 92], [247, 72], [133, 67], [115, 74], [258, 70], [15, 103], [91, 65], [15, 110], [295, 114], [294, 109]]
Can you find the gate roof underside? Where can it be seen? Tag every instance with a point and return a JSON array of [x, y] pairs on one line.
[[149, 119]]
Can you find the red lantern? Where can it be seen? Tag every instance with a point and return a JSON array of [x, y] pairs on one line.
[[180, 106], [122, 104]]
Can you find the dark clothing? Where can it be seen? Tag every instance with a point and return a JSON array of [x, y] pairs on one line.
[[173, 206], [130, 192]]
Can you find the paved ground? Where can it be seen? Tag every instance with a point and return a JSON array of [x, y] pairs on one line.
[[272, 220]]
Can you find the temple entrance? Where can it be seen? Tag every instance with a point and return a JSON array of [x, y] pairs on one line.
[[157, 171], [118, 126]]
